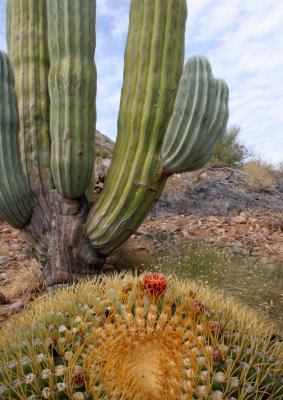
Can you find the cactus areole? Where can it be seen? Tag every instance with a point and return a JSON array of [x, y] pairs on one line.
[[170, 120]]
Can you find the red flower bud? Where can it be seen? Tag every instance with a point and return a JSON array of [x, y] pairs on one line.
[[78, 376], [198, 306], [155, 283], [217, 355], [215, 328]]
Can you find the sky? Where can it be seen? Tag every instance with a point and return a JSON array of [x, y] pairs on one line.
[[243, 40]]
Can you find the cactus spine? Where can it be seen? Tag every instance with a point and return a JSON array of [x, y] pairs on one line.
[[72, 90], [51, 45], [153, 66], [14, 193]]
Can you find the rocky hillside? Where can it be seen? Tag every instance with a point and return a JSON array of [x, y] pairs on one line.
[[213, 191], [223, 191], [104, 146]]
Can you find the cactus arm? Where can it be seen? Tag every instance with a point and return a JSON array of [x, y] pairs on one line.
[[217, 127], [15, 205], [199, 119], [153, 65], [72, 88], [27, 44]]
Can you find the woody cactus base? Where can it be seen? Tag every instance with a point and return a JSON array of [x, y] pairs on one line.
[[146, 338], [170, 120]]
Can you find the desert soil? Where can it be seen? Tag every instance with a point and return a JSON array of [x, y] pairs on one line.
[[251, 230]]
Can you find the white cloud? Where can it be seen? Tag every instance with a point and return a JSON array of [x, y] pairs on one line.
[[243, 39], [3, 25], [117, 14]]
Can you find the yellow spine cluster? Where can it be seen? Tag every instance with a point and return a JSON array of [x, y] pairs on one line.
[[111, 338]]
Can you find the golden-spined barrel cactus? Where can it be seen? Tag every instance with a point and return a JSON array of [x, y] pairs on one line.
[[147, 338], [170, 120]]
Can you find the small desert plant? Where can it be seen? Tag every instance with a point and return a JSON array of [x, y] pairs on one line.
[[178, 183], [278, 170], [31, 283], [124, 337], [260, 174], [27, 284], [230, 152]]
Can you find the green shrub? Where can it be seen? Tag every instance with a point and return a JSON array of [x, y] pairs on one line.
[[229, 151]]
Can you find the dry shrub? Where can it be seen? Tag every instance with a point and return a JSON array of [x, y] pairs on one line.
[[278, 172], [259, 174], [181, 182], [175, 183], [30, 283]]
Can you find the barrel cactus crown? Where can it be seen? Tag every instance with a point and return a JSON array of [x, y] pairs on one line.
[[147, 338], [170, 120]]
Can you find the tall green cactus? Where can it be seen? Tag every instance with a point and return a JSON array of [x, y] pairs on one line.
[[154, 59], [167, 123], [27, 46], [72, 90], [14, 194]]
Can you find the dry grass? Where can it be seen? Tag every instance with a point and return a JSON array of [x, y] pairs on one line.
[[181, 182], [259, 175], [30, 283], [176, 183]]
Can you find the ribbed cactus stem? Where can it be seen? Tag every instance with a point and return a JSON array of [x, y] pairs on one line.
[[153, 65], [15, 205], [52, 44], [217, 127], [72, 89], [199, 119], [27, 45]]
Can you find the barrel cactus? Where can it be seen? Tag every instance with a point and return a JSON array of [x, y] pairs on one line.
[[170, 120], [147, 338]]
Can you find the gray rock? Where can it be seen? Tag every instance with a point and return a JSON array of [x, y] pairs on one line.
[[3, 276], [101, 167], [16, 247], [21, 257], [16, 307], [263, 261], [4, 259], [241, 251]]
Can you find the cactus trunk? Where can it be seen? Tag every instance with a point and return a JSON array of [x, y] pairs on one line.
[[169, 121], [51, 46], [72, 89], [153, 66], [27, 44], [14, 194]]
